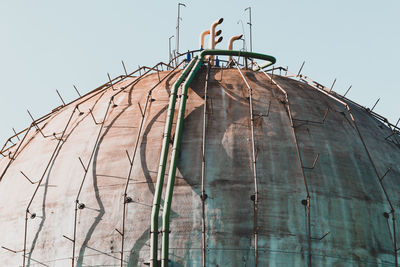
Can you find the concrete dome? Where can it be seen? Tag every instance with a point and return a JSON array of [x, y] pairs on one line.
[[350, 218]]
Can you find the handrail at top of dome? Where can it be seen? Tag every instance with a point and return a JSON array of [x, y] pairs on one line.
[[221, 52], [238, 53]]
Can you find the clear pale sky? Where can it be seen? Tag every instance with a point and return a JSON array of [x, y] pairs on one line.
[[49, 45]]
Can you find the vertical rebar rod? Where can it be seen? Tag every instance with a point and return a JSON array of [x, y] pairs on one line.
[[203, 168], [254, 163], [133, 159], [370, 160], [39, 183], [84, 178], [308, 206]]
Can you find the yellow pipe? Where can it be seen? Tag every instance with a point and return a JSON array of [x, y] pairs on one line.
[[212, 42], [230, 44], [202, 36]]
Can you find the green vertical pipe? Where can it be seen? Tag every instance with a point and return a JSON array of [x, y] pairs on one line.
[[174, 160], [162, 165], [178, 135]]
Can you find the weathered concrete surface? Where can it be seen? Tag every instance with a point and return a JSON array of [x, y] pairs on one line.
[[346, 198]]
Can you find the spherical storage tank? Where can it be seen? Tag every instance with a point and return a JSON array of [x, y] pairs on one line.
[[272, 169]]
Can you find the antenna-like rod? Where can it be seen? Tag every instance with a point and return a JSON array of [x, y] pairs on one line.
[[244, 36], [177, 27], [251, 38], [169, 48]]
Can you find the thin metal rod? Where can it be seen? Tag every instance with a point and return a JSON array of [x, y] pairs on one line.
[[36, 126], [39, 183], [15, 134], [84, 178], [370, 159], [308, 206], [27, 177], [59, 95], [203, 168], [162, 166], [148, 100], [177, 27], [77, 91], [254, 165], [387, 171], [94, 119], [123, 65], [301, 68], [250, 25], [15, 153], [333, 84], [347, 90], [9, 249], [109, 78], [83, 165], [375, 104]]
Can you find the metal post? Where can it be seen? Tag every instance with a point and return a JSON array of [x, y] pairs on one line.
[[177, 27], [203, 167], [307, 203], [254, 166], [251, 41]]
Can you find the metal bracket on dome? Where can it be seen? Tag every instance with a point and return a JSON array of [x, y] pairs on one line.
[[94, 119], [80, 112], [119, 232], [83, 165], [111, 83], [140, 108], [321, 237], [11, 250], [314, 163], [304, 122], [32, 182], [35, 124], [387, 171], [70, 239], [129, 158], [15, 134]]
